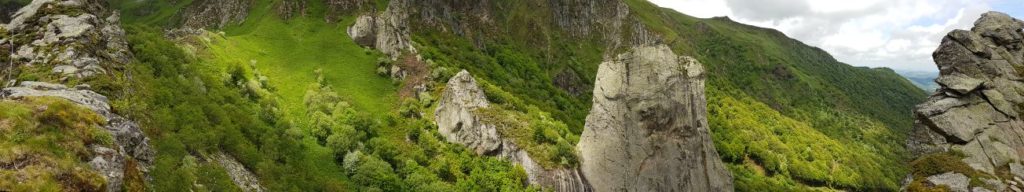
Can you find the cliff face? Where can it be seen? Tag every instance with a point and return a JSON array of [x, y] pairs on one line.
[[648, 128], [976, 112], [75, 41]]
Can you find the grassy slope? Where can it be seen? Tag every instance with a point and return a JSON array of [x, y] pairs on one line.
[[290, 51], [405, 153], [42, 143]]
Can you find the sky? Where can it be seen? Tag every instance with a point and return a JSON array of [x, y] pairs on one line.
[[898, 34]]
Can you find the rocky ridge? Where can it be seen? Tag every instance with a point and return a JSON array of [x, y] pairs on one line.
[[69, 40], [648, 130], [457, 120], [76, 39], [977, 111]]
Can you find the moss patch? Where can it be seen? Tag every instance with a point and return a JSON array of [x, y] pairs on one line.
[[43, 141]]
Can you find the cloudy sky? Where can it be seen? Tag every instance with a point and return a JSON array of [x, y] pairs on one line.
[[899, 34]]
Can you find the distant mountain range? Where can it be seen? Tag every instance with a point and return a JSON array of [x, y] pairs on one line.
[[923, 79]]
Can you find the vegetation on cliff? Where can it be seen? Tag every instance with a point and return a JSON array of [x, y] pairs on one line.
[[300, 104]]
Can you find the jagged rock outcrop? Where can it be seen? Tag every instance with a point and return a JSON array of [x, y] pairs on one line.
[[387, 32], [364, 31], [73, 44], [215, 13], [457, 121], [977, 110], [648, 130], [129, 138]]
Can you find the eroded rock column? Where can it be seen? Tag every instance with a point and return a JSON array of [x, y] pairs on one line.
[[648, 130]]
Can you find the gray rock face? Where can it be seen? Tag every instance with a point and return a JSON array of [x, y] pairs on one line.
[[364, 31], [129, 138], [387, 32], [215, 13], [456, 120], [977, 109], [647, 130], [79, 44]]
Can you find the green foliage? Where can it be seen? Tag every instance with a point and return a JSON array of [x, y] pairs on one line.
[[547, 140], [374, 174], [792, 154], [781, 117], [191, 107]]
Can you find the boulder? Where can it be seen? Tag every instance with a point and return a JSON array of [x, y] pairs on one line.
[[647, 129]]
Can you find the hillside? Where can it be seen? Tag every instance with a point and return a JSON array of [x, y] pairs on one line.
[[305, 103]]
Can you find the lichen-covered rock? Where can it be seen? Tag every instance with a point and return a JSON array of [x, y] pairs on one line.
[[393, 30], [129, 139], [77, 38], [457, 121], [976, 112], [387, 32], [648, 130]]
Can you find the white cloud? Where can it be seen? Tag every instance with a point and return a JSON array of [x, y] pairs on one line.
[[899, 34]]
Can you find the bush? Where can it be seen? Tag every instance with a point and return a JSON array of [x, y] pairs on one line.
[[375, 174]]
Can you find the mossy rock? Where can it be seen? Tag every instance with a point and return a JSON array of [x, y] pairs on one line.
[[43, 141]]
